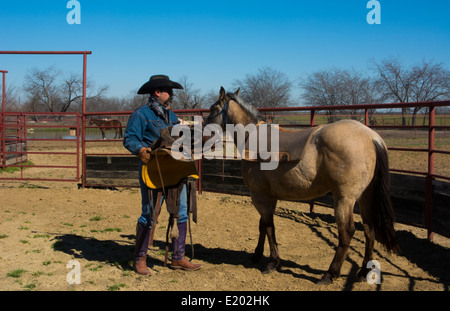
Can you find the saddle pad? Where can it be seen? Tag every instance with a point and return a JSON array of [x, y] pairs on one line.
[[172, 170], [290, 147]]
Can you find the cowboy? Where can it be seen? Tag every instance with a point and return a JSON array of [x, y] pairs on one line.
[[142, 130]]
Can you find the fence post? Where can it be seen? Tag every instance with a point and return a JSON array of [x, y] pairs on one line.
[[312, 119], [429, 178], [3, 127], [200, 165], [83, 126], [312, 122]]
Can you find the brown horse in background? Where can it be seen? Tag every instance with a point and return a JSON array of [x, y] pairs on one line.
[[107, 125], [345, 158]]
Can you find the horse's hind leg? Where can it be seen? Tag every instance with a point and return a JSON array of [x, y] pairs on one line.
[[346, 228], [369, 232]]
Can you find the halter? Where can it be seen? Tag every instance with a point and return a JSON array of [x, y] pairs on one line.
[[223, 112]]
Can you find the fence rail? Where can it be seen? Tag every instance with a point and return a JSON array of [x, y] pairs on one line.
[[15, 129]]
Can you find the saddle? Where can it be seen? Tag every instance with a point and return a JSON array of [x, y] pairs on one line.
[[290, 148], [163, 170]]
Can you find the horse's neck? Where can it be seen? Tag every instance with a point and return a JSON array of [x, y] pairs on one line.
[[240, 116]]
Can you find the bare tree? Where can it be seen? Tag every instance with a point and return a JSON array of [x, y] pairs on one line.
[[12, 98], [188, 97], [266, 88], [42, 88], [134, 101], [426, 81], [71, 90], [335, 87], [46, 92]]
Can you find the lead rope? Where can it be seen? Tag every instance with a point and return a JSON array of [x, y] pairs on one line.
[[170, 225]]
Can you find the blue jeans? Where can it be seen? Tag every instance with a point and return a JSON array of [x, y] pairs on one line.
[[146, 217]]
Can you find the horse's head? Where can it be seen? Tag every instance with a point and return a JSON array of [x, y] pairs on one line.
[[91, 121], [218, 112]]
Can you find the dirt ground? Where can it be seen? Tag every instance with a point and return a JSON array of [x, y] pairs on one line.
[[44, 225], [42, 229]]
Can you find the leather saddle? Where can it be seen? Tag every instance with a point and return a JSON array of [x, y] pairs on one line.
[[291, 144], [163, 170]]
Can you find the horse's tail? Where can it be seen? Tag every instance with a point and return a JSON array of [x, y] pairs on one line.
[[382, 211]]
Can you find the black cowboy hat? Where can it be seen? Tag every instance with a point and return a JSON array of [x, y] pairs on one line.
[[158, 82]]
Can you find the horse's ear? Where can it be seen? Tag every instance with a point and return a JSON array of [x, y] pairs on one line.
[[222, 94], [237, 92]]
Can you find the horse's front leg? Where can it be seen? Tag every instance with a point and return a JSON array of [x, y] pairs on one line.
[[267, 227], [274, 259], [262, 239]]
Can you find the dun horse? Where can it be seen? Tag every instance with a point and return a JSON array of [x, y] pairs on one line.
[[345, 158], [107, 125]]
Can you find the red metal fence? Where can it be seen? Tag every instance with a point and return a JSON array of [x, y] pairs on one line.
[[16, 127], [6, 125], [25, 134]]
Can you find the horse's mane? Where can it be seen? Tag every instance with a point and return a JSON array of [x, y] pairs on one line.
[[249, 108]]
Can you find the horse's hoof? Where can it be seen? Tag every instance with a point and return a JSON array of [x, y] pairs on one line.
[[271, 266], [362, 275], [361, 278], [268, 270], [327, 279]]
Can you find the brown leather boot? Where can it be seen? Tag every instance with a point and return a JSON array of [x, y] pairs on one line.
[[179, 244], [140, 250], [185, 265], [140, 266]]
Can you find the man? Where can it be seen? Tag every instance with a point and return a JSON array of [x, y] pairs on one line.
[[142, 130]]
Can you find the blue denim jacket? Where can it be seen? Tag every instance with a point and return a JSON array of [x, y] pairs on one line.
[[144, 125]]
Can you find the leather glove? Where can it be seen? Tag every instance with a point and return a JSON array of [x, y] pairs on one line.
[[144, 154]]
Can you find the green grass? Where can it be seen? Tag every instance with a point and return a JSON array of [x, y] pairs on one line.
[[10, 170], [116, 287], [381, 119], [16, 273], [96, 218]]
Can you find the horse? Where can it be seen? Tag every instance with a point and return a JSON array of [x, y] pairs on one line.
[[106, 125], [345, 158]]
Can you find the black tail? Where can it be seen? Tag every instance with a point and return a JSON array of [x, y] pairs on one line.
[[382, 213]]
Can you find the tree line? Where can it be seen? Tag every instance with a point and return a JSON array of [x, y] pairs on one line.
[[390, 80]]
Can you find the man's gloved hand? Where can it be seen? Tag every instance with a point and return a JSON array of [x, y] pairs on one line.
[[144, 154]]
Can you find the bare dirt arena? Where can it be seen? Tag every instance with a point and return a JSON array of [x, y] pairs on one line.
[[44, 225], [42, 229]]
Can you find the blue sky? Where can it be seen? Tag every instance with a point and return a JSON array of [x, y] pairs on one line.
[[213, 43]]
